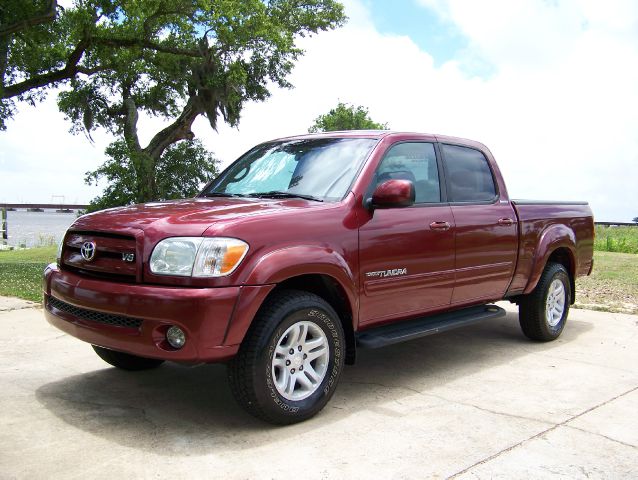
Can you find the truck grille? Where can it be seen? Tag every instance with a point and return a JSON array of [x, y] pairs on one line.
[[105, 255], [93, 315]]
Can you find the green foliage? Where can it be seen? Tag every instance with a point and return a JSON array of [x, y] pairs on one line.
[[174, 59], [635, 219], [157, 52], [616, 239], [346, 117], [180, 173], [21, 272]]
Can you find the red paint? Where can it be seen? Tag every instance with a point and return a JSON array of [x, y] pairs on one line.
[[393, 193], [402, 238], [389, 263], [203, 313]]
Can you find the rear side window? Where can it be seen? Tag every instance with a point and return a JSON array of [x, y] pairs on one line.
[[469, 175], [415, 162]]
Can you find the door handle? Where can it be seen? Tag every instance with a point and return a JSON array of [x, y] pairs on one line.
[[440, 226], [505, 221]]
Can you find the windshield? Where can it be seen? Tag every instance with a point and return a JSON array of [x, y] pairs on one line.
[[317, 169]]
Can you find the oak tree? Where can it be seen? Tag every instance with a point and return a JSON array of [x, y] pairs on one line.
[[121, 61], [346, 117]]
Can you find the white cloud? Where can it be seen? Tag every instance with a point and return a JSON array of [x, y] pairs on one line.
[[559, 108], [39, 158], [564, 86]]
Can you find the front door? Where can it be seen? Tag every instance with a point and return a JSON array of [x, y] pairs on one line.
[[407, 254]]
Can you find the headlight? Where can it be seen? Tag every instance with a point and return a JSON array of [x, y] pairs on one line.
[[197, 256]]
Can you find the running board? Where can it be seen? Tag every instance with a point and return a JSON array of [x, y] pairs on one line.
[[424, 326]]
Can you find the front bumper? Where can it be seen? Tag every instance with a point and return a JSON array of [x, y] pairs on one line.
[[90, 310]]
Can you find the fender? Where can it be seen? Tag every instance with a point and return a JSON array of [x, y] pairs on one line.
[[553, 237], [280, 265]]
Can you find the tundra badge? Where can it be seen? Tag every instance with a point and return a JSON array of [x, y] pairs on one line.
[[388, 273]]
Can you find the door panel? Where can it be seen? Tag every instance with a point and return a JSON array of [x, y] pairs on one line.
[[398, 239], [485, 251]]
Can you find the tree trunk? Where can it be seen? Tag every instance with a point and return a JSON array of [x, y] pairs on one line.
[[145, 160], [144, 166], [143, 163]]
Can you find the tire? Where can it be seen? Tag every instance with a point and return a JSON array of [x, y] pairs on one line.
[[126, 361], [543, 313], [268, 380]]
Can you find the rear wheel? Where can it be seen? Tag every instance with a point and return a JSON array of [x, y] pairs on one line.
[[543, 313], [288, 366], [126, 361]]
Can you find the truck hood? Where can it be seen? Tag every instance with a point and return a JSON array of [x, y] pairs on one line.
[[190, 217]]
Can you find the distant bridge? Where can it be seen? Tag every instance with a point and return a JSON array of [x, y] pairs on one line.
[[617, 224], [44, 206], [34, 207]]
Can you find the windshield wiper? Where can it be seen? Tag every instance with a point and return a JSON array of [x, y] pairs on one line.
[[221, 194], [278, 194]]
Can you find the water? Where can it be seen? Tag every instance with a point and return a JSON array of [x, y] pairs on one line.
[[34, 229]]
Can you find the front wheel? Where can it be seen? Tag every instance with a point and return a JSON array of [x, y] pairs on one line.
[[288, 366], [543, 313]]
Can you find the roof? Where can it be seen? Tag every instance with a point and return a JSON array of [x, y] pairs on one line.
[[378, 134]]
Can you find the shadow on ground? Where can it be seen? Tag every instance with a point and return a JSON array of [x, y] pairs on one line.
[[179, 410]]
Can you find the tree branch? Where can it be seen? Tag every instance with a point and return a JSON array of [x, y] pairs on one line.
[[94, 70], [4, 59], [180, 129], [144, 43], [44, 17], [160, 13], [69, 71], [71, 68]]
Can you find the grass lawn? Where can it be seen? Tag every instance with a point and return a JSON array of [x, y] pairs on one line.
[[616, 239], [612, 287], [21, 271]]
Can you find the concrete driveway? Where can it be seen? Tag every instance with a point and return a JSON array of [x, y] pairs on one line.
[[480, 402]]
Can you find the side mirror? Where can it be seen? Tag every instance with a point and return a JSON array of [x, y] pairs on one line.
[[392, 194]]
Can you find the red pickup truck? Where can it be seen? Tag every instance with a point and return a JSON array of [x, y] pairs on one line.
[[309, 247]]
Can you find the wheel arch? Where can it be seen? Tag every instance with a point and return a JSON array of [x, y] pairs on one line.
[[556, 244], [325, 286], [314, 269], [565, 257], [333, 292]]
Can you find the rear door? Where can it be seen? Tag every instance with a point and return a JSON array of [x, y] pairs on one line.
[[407, 254], [486, 234]]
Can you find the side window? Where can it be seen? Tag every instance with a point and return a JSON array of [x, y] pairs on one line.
[[469, 175], [415, 162]]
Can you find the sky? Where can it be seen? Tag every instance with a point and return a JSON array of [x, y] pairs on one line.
[[550, 86]]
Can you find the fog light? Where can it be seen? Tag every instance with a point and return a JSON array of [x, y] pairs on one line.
[[175, 337]]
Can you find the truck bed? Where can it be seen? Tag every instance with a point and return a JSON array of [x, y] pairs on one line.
[[559, 224]]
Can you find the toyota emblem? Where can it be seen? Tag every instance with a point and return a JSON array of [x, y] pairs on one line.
[[88, 251]]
